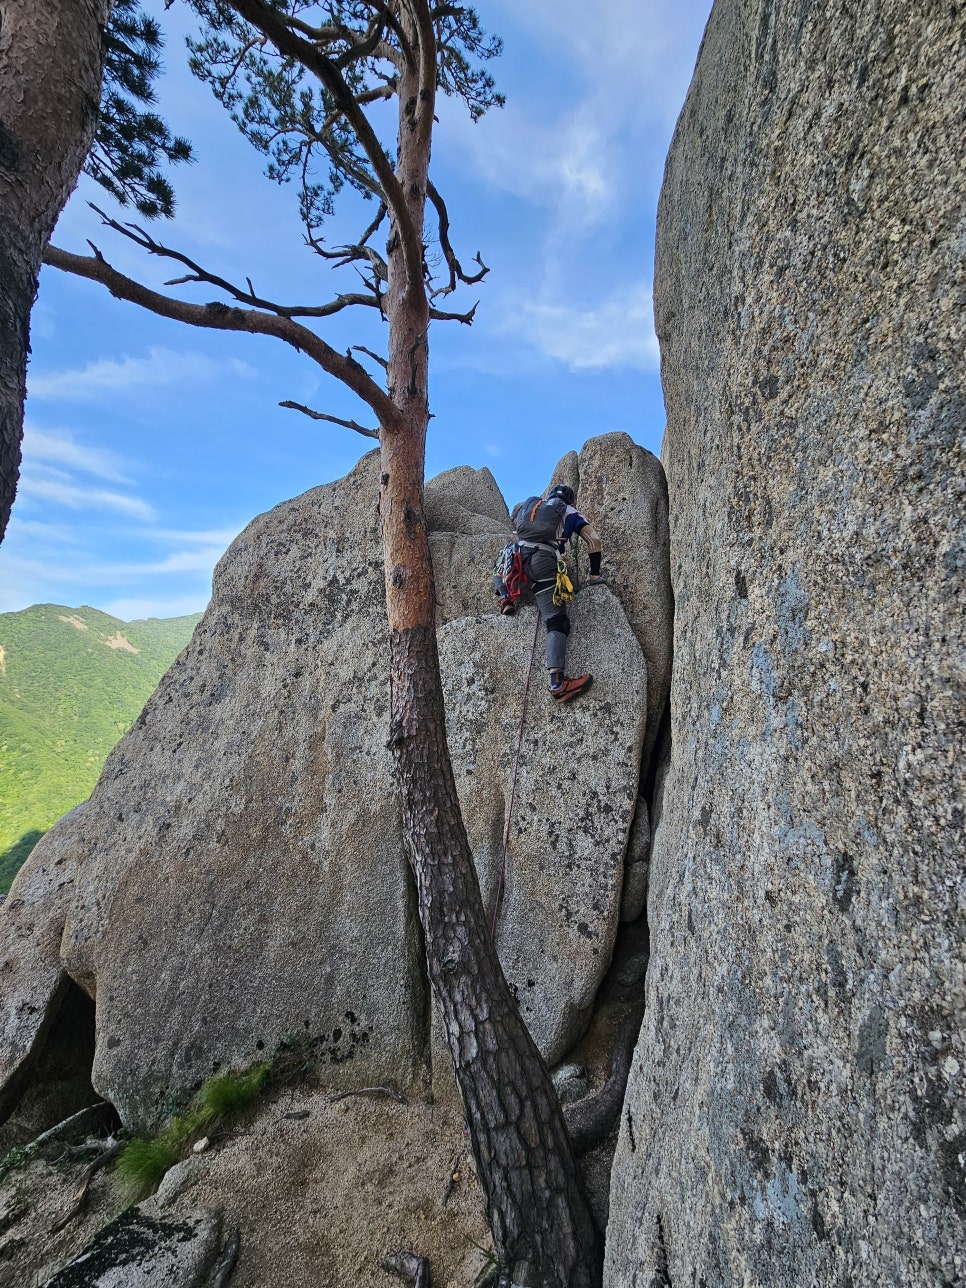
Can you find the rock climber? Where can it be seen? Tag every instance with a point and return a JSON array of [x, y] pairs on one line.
[[543, 527]]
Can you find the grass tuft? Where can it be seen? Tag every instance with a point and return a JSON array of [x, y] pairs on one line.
[[142, 1165], [230, 1093], [144, 1161]]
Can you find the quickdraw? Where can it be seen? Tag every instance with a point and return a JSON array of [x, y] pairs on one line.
[[509, 569], [563, 592]]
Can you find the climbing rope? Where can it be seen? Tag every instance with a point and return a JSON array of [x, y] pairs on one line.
[[513, 783]]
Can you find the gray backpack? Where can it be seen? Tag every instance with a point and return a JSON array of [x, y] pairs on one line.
[[537, 521]]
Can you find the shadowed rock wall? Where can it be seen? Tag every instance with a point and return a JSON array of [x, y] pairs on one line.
[[795, 1113]]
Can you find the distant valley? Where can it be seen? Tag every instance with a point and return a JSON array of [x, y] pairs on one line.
[[72, 681]]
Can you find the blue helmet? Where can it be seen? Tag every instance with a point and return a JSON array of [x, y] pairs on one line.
[[561, 490]]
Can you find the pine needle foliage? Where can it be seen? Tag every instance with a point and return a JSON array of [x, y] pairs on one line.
[[132, 142], [284, 112]]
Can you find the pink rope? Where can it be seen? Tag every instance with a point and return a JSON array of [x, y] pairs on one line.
[[513, 785]]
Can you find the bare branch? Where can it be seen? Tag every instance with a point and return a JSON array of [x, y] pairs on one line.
[[335, 420], [361, 348], [438, 315], [199, 274], [455, 268], [330, 33], [389, 1093], [109, 1153], [221, 317], [226, 1262]]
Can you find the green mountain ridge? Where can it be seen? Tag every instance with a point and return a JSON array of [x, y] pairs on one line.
[[72, 682]]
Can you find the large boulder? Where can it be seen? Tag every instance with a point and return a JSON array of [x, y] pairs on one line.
[[146, 1248], [574, 801], [468, 526], [796, 1112], [623, 492], [241, 878], [238, 876], [33, 982]]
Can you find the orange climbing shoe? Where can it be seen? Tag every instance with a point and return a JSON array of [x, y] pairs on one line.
[[563, 689]]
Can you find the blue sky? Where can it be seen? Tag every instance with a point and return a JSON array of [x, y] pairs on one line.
[[149, 444]]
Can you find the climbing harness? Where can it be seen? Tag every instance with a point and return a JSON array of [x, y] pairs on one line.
[[513, 782]]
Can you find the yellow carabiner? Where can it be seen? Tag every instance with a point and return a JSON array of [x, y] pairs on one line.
[[563, 592]]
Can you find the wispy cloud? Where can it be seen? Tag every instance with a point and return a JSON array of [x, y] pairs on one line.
[[59, 449], [201, 560], [563, 163], [220, 537], [618, 332], [160, 367], [77, 497], [638, 53]]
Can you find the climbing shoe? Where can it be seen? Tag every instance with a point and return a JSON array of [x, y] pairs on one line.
[[563, 689], [507, 607]]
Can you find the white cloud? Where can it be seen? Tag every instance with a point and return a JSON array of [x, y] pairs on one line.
[[62, 450], [109, 375], [40, 530], [202, 560], [619, 332], [639, 53], [561, 164], [77, 497]]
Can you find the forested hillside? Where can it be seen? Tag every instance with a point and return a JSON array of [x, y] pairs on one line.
[[72, 680]]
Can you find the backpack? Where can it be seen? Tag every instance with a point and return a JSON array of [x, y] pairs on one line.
[[538, 521]]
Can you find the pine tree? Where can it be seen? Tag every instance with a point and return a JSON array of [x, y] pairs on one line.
[[301, 79]]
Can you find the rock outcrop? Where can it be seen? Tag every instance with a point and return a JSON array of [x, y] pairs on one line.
[[33, 981], [573, 804], [145, 1248], [239, 878], [468, 525], [796, 1112], [623, 491]]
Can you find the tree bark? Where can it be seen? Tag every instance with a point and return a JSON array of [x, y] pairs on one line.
[[542, 1228], [50, 82]]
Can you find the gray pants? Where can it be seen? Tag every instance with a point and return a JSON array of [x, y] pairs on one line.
[[541, 570]]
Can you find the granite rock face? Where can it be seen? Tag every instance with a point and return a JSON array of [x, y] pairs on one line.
[[238, 877], [623, 492], [33, 981], [145, 1248], [468, 526], [241, 876], [796, 1111], [574, 802]]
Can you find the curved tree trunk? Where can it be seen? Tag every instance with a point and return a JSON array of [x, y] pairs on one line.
[[542, 1227], [50, 81]]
